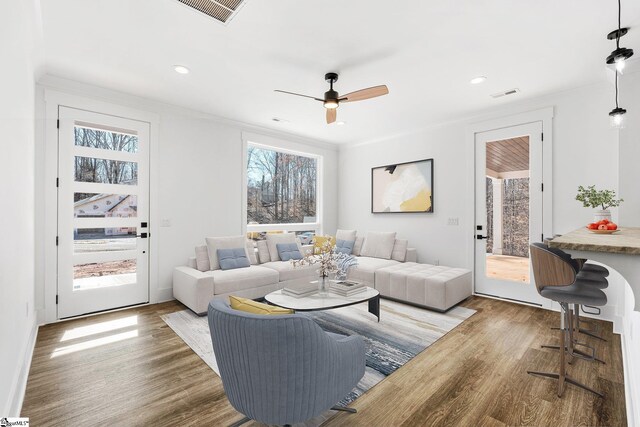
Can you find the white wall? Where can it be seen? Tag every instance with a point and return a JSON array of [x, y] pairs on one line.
[[199, 172], [583, 153], [17, 328]]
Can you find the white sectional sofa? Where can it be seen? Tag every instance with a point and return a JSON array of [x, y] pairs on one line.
[[202, 279]]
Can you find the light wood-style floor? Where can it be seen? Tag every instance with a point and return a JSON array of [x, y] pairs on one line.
[[128, 368], [508, 267]]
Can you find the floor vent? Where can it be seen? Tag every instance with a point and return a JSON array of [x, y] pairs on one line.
[[220, 10], [505, 93]]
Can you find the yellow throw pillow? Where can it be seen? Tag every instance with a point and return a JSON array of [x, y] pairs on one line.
[[251, 306], [319, 242]]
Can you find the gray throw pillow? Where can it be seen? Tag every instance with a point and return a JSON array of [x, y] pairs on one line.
[[233, 258], [288, 251], [345, 246]]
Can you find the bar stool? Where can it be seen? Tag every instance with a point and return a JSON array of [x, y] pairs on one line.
[[556, 279]]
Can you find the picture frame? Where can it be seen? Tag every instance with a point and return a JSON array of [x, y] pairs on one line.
[[403, 187]]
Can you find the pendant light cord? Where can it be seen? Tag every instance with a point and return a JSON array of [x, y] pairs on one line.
[[619, 24], [616, 90]]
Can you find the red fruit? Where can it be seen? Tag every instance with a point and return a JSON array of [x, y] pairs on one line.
[[593, 226], [604, 221], [602, 227], [612, 226]]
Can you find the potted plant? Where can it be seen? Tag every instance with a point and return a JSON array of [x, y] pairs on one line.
[[598, 199]]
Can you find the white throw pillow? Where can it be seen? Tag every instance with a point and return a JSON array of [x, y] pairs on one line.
[[274, 239], [215, 243], [400, 250], [357, 247], [202, 258], [348, 235], [378, 245], [251, 251], [263, 252]]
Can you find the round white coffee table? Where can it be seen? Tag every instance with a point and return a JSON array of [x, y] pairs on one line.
[[326, 301]]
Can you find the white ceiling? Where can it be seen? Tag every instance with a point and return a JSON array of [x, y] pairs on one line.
[[424, 51]]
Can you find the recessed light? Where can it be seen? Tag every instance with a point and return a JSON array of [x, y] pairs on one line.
[[280, 120], [181, 69], [478, 80], [341, 123]]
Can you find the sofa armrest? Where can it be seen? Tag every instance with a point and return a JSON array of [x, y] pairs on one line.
[[412, 255], [191, 262], [193, 288]]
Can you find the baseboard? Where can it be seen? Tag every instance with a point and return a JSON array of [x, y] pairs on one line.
[[631, 390], [16, 397]]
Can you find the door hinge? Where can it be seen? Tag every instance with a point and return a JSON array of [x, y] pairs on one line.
[[542, 237], [542, 186], [58, 123], [57, 240], [56, 299], [57, 182], [542, 136]]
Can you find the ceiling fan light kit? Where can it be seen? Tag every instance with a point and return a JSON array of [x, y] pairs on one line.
[[618, 58], [332, 98]]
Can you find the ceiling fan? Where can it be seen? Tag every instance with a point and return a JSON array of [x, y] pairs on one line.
[[332, 99]]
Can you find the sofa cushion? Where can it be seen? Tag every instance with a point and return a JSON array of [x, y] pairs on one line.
[[215, 243], [229, 281], [346, 235], [287, 271], [233, 258], [400, 250], [366, 268], [202, 258], [378, 244], [357, 246], [273, 239], [288, 251], [250, 306], [263, 251], [345, 246]]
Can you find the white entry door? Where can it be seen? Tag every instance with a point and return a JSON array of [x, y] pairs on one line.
[[103, 211], [508, 210]]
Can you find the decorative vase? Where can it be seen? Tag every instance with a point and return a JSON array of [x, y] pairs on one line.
[[602, 214], [323, 285]]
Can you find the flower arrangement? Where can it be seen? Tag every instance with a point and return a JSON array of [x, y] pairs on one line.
[[329, 261], [592, 198]]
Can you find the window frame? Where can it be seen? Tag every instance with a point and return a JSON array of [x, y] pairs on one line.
[[287, 147]]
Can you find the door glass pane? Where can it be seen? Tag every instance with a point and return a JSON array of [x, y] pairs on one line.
[[104, 239], [105, 171], [94, 205], [87, 136], [104, 274], [507, 201]]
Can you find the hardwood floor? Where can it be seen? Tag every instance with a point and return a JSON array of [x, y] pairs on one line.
[[129, 368]]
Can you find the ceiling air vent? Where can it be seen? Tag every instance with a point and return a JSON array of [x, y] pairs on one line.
[[220, 10], [505, 93]]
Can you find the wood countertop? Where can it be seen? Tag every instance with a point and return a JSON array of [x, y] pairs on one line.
[[625, 241]]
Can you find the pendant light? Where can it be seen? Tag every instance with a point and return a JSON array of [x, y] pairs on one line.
[[620, 54], [616, 116]]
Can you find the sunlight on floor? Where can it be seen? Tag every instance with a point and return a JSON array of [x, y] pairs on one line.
[[61, 351], [505, 267], [99, 328]]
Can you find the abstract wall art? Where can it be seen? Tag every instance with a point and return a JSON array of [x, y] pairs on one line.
[[403, 187]]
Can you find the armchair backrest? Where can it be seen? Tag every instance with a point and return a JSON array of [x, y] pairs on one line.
[[275, 369]]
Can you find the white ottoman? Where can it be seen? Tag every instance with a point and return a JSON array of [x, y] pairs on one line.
[[432, 286]]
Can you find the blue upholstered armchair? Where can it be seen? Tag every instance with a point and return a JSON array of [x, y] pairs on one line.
[[282, 369]]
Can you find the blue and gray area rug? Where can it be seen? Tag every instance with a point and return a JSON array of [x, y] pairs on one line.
[[402, 333]]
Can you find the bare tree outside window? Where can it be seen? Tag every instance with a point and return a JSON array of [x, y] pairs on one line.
[[281, 187]]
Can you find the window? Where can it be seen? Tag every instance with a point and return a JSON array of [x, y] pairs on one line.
[[282, 192]]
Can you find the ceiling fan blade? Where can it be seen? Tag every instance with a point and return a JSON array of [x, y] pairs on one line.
[[332, 114], [362, 94], [299, 94]]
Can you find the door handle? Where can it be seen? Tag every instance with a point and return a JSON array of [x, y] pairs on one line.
[[142, 235], [480, 237]]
